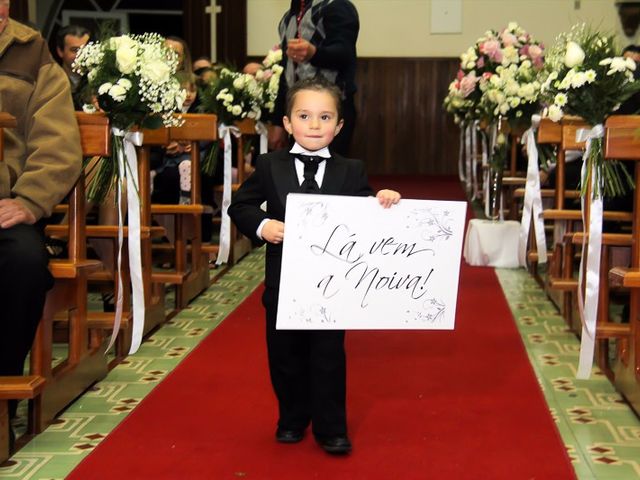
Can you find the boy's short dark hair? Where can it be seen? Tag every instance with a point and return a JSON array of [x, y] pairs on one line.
[[73, 30], [317, 84]]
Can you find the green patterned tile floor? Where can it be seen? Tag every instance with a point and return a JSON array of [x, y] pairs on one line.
[[601, 433]]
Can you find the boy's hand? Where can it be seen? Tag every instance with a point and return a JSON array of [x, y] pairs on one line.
[[388, 197], [273, 231]]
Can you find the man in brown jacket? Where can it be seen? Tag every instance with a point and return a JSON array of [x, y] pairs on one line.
[[42, 161]]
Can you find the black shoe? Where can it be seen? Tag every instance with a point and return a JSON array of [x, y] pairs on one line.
[[337, 445], [289, 436]]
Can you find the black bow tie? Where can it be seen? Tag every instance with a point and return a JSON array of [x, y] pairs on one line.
[[309, 158]]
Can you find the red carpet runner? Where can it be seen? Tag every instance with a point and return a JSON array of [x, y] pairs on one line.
[[422, 405]]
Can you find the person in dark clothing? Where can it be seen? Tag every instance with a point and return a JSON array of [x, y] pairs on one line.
[[318, 38], [68, 41], [308, 370]]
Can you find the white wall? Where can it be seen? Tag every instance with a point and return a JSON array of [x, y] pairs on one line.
[[401, 28]]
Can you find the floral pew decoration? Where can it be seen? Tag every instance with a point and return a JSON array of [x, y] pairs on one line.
[[498, 83], [588, 78], [132, 78], [235, 97]]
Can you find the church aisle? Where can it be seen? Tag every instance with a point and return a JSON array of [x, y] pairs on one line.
[[601, 433]]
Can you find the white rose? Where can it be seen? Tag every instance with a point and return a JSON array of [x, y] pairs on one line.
[[118, 93], [238, 83], [236, 110], [104, 88], [126, 57], [88, 108], [574, 55], [157, 71]]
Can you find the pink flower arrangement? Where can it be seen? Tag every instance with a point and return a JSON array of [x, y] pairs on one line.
[[495, 53]]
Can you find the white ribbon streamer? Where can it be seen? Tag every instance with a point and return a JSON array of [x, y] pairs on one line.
[[474, 159], [461, 175], [493, 137], [261, 129], [532, 207], [588, 306], [225, 131], [468, 153], [127, 162]]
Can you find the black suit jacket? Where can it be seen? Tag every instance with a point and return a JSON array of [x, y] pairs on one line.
[[274, 178]]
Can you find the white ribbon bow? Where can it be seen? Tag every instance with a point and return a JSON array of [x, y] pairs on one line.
[[588, 306], [532, 199], [128, 171], [225, 131]]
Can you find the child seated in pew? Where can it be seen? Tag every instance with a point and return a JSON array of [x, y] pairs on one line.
[[171, 165], [170, 168]]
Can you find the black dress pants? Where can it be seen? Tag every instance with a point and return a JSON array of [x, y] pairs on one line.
[[24, 282], [308, 374]]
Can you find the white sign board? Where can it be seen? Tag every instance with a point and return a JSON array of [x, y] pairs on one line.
[[348, 263]]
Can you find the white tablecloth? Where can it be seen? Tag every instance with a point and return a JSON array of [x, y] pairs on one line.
[[493, 244]]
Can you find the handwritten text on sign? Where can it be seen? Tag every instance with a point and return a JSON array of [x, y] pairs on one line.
[[350, 264]]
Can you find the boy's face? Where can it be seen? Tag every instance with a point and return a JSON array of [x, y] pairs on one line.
[[314, 119]]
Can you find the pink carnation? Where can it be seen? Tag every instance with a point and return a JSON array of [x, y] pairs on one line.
[[468, 84], [491, 48], [508, 38], [460, 75]]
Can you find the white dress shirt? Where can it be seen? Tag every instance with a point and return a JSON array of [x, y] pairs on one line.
[[297, 148]]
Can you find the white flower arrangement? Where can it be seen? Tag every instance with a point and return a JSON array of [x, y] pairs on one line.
[[588, 79], [133, 79], [234, 95]]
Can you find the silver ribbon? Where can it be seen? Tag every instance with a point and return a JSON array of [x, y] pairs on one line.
[[128, 172], [588, 305], [224, 132], [261, 129], [532, 199]]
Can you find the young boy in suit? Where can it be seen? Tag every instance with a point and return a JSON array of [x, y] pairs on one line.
[[308, 371]]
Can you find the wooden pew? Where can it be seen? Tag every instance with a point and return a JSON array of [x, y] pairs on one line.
[[86, 362], [17, 388], [240, 245], [191, 265], [622, 143], [561, 272]]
